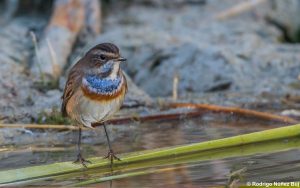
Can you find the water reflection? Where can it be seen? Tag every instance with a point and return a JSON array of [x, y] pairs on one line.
[[135, 137]]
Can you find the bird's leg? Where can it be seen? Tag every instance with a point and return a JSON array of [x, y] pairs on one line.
[[80, 159], [110, 155]]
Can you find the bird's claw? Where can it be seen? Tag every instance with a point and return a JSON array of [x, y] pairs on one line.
[[82, 160], [111, 156]]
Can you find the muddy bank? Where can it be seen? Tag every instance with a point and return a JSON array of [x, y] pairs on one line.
[[237, 55], [237, 61]]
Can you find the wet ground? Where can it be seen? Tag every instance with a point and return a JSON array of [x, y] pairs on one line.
[[278, 165]]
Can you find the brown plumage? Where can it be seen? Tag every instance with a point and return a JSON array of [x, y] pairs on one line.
[[95, 89], [72, 84]]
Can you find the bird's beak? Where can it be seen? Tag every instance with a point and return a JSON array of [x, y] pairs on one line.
[[121, 59]]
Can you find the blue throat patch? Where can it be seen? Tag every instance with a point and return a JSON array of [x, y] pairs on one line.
[[103, 86]]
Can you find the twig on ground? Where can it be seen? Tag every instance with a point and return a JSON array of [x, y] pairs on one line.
[[175, 87], [238, 9], [39, 126], [198, 110], [234, 110], [154, 117]]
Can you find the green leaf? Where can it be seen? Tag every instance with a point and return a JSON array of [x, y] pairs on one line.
[[140, 163]]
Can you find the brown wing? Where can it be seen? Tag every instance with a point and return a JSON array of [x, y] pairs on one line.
[[72, 84]]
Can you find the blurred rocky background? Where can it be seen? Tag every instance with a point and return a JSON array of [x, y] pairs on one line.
[[229, 52]]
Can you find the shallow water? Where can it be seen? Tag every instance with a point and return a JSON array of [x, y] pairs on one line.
[[51, 146]]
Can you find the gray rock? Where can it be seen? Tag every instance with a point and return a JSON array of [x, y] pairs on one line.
[[284, 14], [197, 70], [240, 55]]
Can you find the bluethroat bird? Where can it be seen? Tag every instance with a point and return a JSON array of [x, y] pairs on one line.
[[94, 91]]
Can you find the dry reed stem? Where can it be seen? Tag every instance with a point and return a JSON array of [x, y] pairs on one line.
[[238, 9], [198, 110], [234, 110]]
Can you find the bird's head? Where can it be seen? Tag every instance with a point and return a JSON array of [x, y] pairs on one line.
[[104, 60]]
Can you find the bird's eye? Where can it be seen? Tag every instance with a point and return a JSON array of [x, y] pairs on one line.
[[102, 57], [99, 58]]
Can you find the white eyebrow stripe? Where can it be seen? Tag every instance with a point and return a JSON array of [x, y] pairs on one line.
[[99, 52]]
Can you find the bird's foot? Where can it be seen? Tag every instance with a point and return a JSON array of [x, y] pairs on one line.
[[82, 160], [111, 156]]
